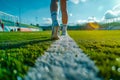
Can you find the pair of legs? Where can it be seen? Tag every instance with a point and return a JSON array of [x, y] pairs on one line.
[[54, 16]]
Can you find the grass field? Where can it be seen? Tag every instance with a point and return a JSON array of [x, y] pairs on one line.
[[104, 48], [19, 50]]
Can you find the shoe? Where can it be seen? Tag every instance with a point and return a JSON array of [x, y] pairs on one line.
[[55, 32]]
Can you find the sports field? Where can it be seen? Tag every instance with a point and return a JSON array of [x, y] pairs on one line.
[[104, 48], [19, 50]]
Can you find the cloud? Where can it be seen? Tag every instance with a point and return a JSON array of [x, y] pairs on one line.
[[110, 14], [113, 13], [78, 1], [81, 21], [92, 19], [47, 21], [117, 7]]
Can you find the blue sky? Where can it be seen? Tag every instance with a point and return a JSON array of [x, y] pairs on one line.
[[37, 11]]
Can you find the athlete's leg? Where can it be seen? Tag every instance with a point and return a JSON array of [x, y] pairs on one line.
[[54, 16], [63, 4]]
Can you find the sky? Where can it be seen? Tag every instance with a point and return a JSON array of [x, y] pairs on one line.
[[38, 11]]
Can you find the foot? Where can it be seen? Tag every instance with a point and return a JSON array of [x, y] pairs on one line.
[[55, 32]]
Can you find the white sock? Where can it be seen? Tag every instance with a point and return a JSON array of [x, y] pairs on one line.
[[64, 29], [64, 26]]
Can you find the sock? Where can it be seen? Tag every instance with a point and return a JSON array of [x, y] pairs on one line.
[[64, 29], [54, 19], [64, 26]]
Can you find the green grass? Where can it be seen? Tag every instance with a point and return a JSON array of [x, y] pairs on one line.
[[19, 50], [104, 48]]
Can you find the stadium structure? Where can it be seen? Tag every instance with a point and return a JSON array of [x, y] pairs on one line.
[[10, 22]]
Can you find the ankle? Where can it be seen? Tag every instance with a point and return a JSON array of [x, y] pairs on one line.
[[55, 23], [64, 25]]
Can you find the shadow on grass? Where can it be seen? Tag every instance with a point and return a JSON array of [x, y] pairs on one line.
[[21, 44]]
